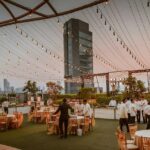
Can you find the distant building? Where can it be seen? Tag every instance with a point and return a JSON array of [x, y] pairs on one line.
[[19, 90], [78, 52], [6, 86]]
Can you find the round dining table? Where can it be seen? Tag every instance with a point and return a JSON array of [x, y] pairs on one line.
[[138, 135]]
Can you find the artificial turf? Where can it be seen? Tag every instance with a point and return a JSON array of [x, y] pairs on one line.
[[34, 137]]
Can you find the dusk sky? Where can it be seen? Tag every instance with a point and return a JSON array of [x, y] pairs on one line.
[[121, 41]]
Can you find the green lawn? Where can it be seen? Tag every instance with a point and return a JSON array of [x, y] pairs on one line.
[[33, 136]]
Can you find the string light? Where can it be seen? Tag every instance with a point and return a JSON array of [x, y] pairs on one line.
[[118, 38]]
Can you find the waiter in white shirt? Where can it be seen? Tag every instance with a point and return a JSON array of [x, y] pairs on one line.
[[143, 104], [5, 106], [79, 108], [128, 103], [113, 103], [123, 115], [133, 111], [86, 109], [147, 111], [138, 108]]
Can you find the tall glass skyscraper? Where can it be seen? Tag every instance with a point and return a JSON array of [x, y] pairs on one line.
[[78, 52]]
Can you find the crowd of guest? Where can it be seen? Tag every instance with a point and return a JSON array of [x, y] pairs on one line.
[[134, 110]]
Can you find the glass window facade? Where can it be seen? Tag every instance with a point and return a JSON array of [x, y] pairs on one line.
[[78, 51]]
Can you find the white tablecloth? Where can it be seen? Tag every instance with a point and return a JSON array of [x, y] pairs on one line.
[[143, 133], [10, 116]]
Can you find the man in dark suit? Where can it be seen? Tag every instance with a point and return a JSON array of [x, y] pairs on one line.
[[64, 116]]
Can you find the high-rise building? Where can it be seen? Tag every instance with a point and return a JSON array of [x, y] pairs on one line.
[[6, 85], [78, 52]]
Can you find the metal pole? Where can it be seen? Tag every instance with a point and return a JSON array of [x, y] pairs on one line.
[[148, 83], [107, 83], [98, 85]]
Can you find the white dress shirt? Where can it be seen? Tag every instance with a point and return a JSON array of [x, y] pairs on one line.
[[132, 109], [79, 109], [143, 104], [87, 110], [128, 103], [147, 110], [123, 112], [112, 103], [138, 105], [5, 104]]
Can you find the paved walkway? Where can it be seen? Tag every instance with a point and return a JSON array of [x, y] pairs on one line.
[[4, 147]]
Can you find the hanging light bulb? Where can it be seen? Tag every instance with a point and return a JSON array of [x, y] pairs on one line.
[[58, 21], [110, 28], [97, 10], [101, 15]]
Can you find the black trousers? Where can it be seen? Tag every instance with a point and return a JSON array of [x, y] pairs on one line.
[[138, 115], [122, 122], [129, 118], [63, 121], [144, 118], [6, 110], [132, 119], [148, 122]]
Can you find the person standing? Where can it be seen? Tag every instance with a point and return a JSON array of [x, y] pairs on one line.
[[123, 115], [64, 116], [128, 103], [79, 108], [148, 115], [87, 109], [5, 106], [112, 103], [138, 108], [132, 111], [143, 104]]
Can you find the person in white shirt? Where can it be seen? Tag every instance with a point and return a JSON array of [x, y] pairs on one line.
[[123, 115], [143, 104], [133, 111], [79, 108], [5, 106], [147, 112], [113, 103], [128, 103], [138, 108], [86, 109]]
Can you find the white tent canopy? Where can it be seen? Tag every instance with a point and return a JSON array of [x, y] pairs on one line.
[[34, 50]]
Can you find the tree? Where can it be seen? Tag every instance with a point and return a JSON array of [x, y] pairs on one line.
[[133, 88], [53, 89], [86, 93], [30, 87]]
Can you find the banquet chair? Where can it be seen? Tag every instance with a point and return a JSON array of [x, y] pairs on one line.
[[123, 136], [44, 116], [18, 120], [73, 125], [3, 123], [56, 125], [49, 124], [132, 130], [14, 123], [37, 117], [122, 142], [145, 143], [92, 123], [85, 124]]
